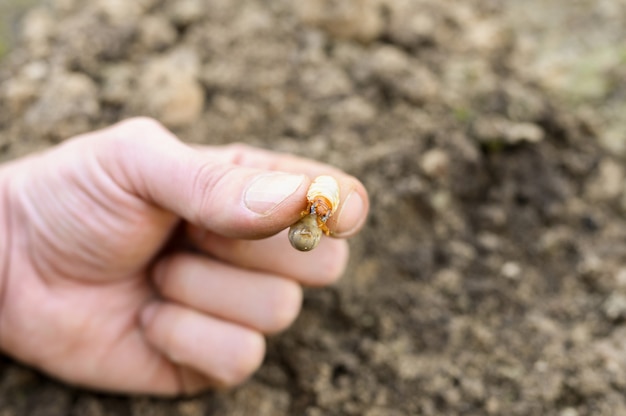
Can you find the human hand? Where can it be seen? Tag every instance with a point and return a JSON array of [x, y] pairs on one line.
[[135, 263]]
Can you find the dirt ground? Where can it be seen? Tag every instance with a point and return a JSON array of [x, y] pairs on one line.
[[491, 276]]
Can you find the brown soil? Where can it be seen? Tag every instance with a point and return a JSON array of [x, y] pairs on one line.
[[490, 278]]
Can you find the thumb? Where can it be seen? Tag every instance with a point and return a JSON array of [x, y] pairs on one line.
[[234, 201]]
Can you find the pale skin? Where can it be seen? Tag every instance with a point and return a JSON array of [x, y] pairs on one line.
[[89, 295]]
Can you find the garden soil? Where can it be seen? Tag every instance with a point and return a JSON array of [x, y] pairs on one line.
[[490, 278]]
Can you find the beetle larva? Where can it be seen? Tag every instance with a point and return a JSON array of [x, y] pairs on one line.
[[323, 200]]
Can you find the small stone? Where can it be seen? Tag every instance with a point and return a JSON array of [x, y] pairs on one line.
[[388, 61], [156, 32], [220, 75], [615, 306], [569, 411], [353, 111], [185, 12], [38, 28], [486, 35], [435, 163], [490, 129], [383, 411], [410, 23], [169, 90], [591, 382], [117, 81], [462, 250], [35, 71], [88, 405], [448, 280], [327, 81], [511, 270], [119, 11], [524, 132], [410, 366], [492, 406], [620, 277], [441, 201], [607, 183], [359, 20], [19, 93], [191, 407]]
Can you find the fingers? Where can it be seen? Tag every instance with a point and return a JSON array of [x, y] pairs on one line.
[[354, 202], [224, 352], [261, 301], [236, 191], [275, 255], [148, 161]]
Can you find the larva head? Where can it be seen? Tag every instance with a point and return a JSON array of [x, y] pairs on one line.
[[321, 207], [305, 235]]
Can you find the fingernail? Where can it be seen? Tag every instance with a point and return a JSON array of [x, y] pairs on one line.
[[148, 312], [269, 190], [350, 214]]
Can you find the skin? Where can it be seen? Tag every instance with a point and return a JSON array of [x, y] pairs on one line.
[[134, 263]]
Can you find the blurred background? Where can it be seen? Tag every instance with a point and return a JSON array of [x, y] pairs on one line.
[[491, 276], [10, 12]]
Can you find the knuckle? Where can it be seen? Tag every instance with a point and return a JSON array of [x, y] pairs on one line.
[[132, 132], [139, 130], [161, 331], [238, 148], [245, 155], [140, 124], [205, 183]]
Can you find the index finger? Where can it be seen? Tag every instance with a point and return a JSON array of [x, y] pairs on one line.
[[354, 202]]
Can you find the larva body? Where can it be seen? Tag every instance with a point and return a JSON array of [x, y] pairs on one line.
[[322, 202], [305, 235]]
